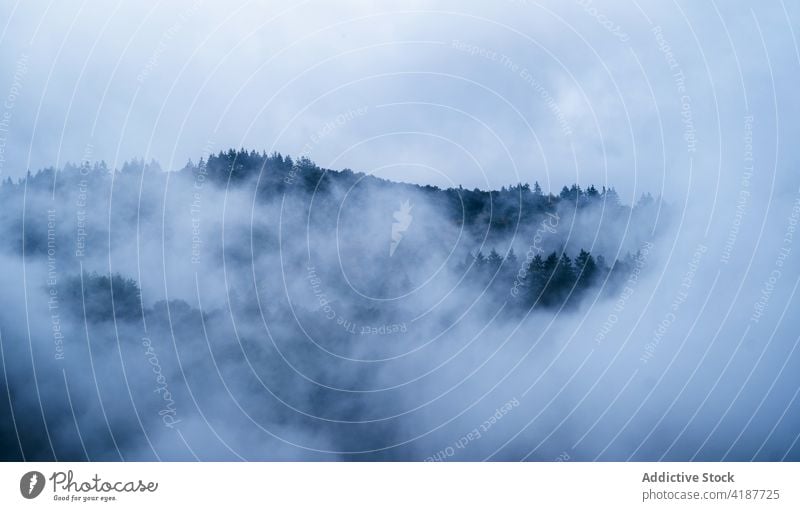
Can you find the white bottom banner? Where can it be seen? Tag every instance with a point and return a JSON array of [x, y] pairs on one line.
[[401, 486]]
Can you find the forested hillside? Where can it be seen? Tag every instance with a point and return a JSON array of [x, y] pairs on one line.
[[263, 276]]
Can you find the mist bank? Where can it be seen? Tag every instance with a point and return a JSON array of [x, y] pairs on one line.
[[251, 306]]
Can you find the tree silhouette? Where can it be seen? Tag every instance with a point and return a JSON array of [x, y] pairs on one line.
[[561, 281], [586, 269], [493, 262], [535, 280]]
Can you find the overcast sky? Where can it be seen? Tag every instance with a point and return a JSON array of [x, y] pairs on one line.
[[644, 96]]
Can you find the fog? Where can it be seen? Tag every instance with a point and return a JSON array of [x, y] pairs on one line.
[[265, 315], [250, 306]]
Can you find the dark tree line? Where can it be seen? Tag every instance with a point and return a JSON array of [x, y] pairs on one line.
[[274, 175], [548, 281], [544, 280], [98, 297]]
